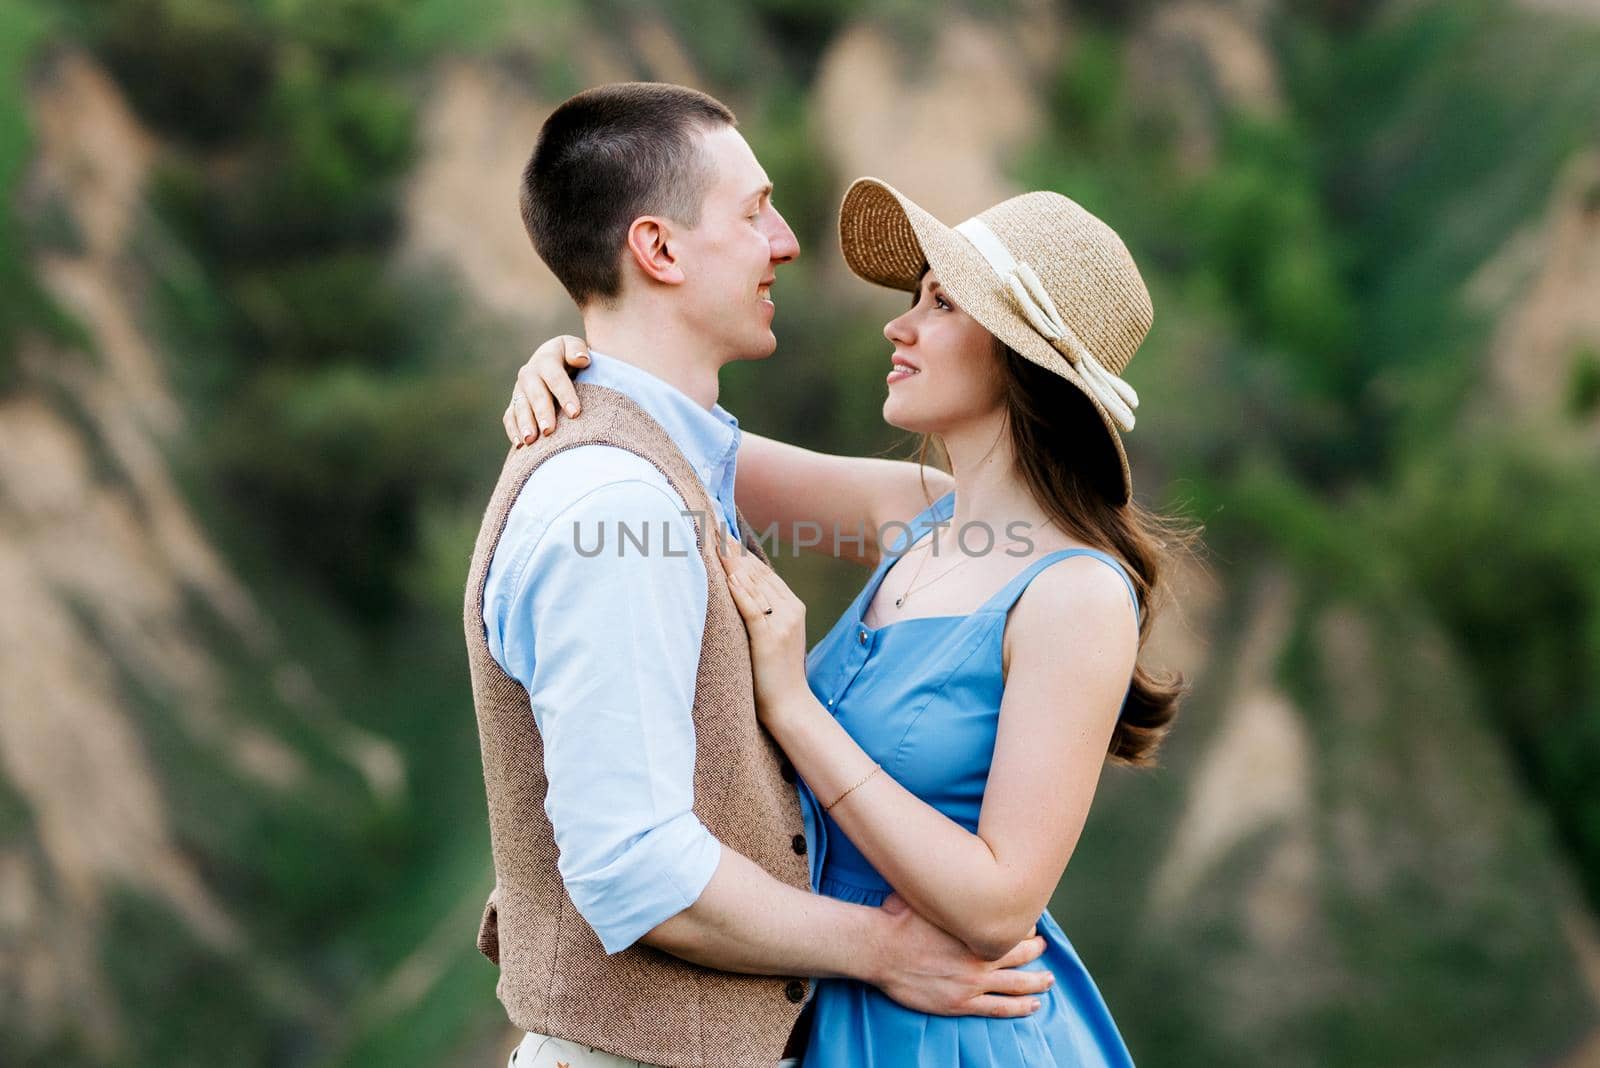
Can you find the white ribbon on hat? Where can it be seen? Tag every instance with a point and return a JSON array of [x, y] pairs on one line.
[[1023, 284]]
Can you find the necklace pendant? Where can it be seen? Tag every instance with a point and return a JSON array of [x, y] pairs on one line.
[[898, 601]]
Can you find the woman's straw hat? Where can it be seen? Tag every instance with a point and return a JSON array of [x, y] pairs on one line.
[[1038, 271]]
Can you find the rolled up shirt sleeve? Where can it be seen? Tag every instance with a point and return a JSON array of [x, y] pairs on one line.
[[604, 633]]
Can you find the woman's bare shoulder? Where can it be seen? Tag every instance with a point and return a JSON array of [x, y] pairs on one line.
[[1080, 602]]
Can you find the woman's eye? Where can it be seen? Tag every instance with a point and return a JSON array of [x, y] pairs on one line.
[[942, 303]]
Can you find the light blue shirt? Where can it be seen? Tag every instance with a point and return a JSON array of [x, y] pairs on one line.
[[595, 601]]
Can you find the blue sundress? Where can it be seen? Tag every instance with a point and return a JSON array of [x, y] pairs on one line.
[[922, 697]]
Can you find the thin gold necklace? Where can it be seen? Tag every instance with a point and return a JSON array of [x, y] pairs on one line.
[[912, 586]]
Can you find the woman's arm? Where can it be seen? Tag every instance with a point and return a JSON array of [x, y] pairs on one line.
[[830, 504], [818, 501], [1071, 653]]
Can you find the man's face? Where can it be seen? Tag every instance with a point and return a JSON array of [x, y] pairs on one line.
[[730, 259]]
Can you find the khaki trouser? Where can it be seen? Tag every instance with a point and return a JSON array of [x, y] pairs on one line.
[[542, 1051]]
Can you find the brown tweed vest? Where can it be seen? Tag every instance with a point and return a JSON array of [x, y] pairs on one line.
[[555, 978]]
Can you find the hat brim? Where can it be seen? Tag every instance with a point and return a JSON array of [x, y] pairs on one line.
[[887, 239]]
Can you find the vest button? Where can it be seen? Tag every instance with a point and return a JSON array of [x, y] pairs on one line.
[[787, 771], [795, 991], [798, 842]]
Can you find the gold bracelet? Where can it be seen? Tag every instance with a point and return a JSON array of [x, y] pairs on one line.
[[876, 767]]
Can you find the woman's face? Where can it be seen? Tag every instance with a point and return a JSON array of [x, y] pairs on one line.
[[956, 377]]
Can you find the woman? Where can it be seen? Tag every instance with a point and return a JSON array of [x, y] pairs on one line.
[[955, 719]]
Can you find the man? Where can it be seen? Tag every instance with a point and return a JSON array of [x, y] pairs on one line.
[[655, 857]]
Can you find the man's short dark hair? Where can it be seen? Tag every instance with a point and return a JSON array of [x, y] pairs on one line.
[[606, 157]]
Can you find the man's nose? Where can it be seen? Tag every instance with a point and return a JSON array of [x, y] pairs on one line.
[[785, 246]]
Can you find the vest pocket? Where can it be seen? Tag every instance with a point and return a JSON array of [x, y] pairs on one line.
[[489, 928]]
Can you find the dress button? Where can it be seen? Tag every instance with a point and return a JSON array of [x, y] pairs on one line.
[[863, 637], [795, 991], [798, 842]]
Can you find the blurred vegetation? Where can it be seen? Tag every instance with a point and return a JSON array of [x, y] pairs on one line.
[[1310, 364], [304, 351], [24, 27], [1314, 274]]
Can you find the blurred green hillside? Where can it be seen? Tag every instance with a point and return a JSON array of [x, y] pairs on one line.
[[261, 306]]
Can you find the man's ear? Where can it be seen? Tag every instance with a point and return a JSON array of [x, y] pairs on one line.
[[650, 245]]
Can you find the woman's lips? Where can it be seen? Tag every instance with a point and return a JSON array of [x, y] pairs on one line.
[[902, 370]]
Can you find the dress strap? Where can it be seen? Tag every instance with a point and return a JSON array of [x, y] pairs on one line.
[[919, 525], [1008, 594]]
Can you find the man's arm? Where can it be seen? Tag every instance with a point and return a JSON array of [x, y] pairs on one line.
[[747, 921], [607, 645]]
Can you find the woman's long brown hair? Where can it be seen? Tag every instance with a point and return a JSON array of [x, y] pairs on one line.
[[1071, 466]]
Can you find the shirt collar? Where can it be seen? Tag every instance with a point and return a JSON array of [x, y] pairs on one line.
[[708, 439]]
